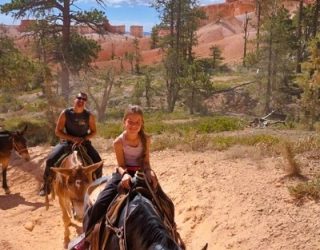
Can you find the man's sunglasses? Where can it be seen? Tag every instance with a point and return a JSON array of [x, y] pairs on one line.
[[82, 98]]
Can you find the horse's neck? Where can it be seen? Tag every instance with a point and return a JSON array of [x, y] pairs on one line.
[[6, 143], [5, 133]]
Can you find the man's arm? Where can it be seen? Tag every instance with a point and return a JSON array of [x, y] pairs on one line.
[[92, 127]]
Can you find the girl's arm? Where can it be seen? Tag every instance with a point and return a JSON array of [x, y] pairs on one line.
[[118, 149], [121, 169], [147, 154]]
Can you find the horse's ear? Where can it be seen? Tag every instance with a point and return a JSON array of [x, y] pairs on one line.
[[89, 169], [25, 129], [22, 131], [65, 172]]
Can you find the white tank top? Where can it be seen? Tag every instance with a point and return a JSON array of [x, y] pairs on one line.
[[132, 155]]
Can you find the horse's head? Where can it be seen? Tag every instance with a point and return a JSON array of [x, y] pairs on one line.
[[77, 179], [20, 143]]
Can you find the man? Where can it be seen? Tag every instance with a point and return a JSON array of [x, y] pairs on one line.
[[75, 125]]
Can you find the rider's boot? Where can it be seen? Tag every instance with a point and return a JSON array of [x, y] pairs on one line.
[[46, 187]]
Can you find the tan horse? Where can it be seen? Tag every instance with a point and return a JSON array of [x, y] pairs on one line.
[[70, 185]]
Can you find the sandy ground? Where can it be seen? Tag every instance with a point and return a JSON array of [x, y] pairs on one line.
[[234, 199]]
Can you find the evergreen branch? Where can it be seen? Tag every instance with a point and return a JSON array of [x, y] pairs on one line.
[[233, 88], [35, 7]]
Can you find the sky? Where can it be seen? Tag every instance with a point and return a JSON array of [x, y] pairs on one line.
[[118, 12]]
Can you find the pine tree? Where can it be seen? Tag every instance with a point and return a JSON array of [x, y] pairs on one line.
[[276, 60], [309, 80], [60, 16], [181, 18]]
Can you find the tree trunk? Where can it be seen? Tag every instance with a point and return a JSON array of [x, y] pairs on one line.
[[102, 106], [299, 33], [147, 89], [258, 9], [245, 39], [65, 88], [269, 80], [101, 112], [192, 101], [172, 73], [315, 18]]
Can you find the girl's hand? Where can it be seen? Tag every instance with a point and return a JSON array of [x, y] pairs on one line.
[[126, 181], [151, 178]]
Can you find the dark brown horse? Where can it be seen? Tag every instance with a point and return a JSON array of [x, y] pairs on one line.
[[138, 226], [142, 228], [10, 141]]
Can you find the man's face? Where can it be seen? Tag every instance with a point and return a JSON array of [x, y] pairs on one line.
[[80, 101]]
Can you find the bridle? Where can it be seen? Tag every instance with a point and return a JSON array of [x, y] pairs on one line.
[[120, 232], [17, 147]]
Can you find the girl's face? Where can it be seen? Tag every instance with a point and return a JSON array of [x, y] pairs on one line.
[[133, 123]]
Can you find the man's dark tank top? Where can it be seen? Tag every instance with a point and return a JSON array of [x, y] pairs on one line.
[[77, 124]]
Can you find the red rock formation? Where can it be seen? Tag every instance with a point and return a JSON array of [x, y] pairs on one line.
[[116, 29], [231, 8], [26, 24], [136, 30]]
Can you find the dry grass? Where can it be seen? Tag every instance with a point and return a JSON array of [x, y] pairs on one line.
[[244, 151], [292, 167]]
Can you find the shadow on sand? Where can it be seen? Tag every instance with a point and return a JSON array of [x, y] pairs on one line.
[[13, 200]]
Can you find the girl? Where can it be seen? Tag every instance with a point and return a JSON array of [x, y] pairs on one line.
[[132, 149]]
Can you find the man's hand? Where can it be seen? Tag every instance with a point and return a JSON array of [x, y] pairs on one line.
[[77, 140]]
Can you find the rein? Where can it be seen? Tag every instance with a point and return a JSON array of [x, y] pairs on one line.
[[120, 232], [171, 226], [83, 154], [16, 147]]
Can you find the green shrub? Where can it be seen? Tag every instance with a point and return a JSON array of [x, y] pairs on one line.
[[114, 114], [219, 124], [36, 106], [110, 129], [306, 144], [38, 132], [156, 127], [309, 189], [164, 141], [222, 142]]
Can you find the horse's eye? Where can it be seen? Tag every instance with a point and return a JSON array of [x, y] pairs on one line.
[[71, 180]]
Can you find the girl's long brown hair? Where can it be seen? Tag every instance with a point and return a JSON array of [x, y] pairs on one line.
[[136, 109]]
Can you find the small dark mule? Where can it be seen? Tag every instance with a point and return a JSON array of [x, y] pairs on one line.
[[11, 141]]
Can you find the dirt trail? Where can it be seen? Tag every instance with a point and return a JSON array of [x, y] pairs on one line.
[[230, 200]]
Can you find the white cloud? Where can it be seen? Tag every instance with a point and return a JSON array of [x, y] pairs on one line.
[[116, 3], [206, 2]]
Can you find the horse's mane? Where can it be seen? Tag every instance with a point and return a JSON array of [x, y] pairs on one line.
[[147, 226]]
